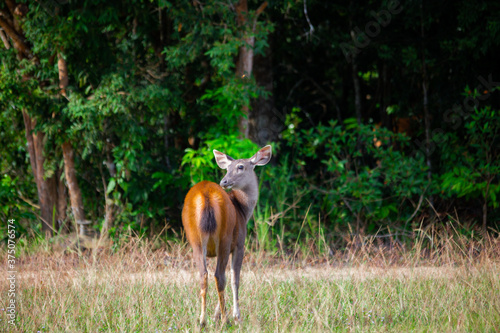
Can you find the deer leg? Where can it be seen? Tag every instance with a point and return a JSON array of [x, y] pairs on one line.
[[221, 307], [202, 267], [220, 278], [236, 262]]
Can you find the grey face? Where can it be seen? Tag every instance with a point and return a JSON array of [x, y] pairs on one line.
[[237, 174], [240, 173]]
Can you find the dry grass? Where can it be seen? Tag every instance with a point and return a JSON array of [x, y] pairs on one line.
[[451, 285]]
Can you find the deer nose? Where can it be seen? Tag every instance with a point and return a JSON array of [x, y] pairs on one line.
[[223, 183]]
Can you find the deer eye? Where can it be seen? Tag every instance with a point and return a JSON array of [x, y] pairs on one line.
[[240, 167]]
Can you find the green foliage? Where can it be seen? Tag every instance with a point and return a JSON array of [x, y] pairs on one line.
[[133, 103], [225, 105], [16, 180], [153, 90], [13, 207], [362, 176], [282, 205], [476, 165]]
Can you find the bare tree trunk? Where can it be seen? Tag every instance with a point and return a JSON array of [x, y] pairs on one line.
[[354, 73], [63, 74], [61, 188], [62, 202], [109, 216], [46, 187], [265, 123], [35, 149], [384, 103], [244, 64], [75, 194], [110, 207], [425, 103], [357, 90], [245, 61], [29, 125]]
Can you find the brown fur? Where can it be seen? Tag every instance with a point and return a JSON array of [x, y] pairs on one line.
[[209, 193], [215, 223]]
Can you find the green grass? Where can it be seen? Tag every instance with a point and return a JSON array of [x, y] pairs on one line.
[[141, 290]]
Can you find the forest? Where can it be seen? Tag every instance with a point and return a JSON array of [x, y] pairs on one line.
[[384, 116], [373, 127]]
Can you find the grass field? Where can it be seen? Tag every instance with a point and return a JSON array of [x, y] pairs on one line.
[[365, 290]]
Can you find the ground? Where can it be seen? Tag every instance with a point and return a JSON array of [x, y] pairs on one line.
[[140, 290]]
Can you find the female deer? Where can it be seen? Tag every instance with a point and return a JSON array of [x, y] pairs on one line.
[[216, 223]]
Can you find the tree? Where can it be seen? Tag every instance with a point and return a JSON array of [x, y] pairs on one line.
[[129, 97], [10, 21]]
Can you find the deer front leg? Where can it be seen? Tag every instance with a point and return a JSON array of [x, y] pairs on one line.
[[236, 262]]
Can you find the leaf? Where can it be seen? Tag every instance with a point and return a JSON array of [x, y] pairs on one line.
[[111, 185], [351, 123]]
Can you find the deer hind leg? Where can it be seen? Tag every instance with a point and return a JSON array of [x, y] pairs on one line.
[[220, 280], [202, 267]]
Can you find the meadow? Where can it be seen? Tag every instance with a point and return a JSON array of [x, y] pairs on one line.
[[449, 285]]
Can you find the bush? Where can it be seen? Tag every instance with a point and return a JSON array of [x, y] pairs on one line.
[[338, 176]]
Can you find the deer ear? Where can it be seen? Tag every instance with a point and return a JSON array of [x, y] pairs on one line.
[[263, 156], [223, 160]]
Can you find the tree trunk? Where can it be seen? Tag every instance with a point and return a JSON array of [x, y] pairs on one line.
[[425, 103], [109, 217], [46, 187], [245, 61], [62, 203], [354, 73], [47, 191], [357, 90], [75, 194], [244, 64], [110, 207], [63, 74], [29, 125], [61, 188], [384, 103], [265, 123]]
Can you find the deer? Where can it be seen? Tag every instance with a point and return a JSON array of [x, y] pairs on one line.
[[215, 224]]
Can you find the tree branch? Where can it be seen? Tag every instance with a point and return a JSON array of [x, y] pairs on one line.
[[63, 74], [11, 5], [311, 27], [257, 13], [260, 9], [29, 124], [19, 43], [7, 17], [418, 207]]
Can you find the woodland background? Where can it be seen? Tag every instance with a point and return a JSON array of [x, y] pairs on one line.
[[383, 115]]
